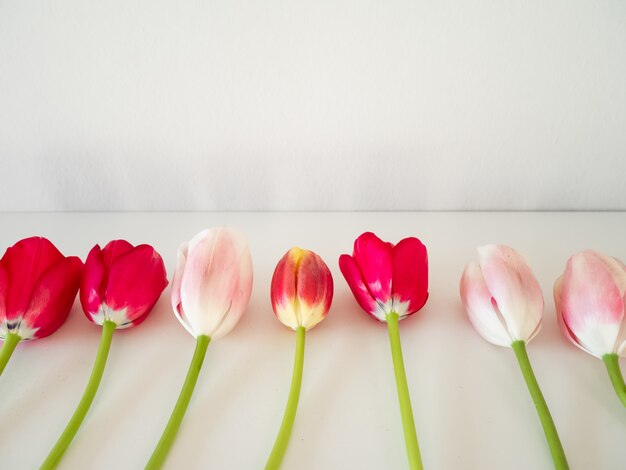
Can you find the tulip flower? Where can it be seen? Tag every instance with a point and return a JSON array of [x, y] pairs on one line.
[[38, 286], [390, 282], [504, 303], [119, 287], [210, 291], [301, 293], [589, 299]]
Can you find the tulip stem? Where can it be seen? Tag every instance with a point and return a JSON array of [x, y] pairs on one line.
[[10, 342], [108, 327], [278, 451], [408, 425], [554, 443], [612, 366], [169, 434]]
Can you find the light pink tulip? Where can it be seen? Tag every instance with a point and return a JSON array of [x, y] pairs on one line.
[[212, 282], [502, 296], [589, 299]]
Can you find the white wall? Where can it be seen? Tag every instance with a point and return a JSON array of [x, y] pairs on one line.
[[329, 104]]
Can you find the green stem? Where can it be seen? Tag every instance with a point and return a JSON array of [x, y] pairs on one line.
[[556, 449], [10, 342], [169, 434], [612, 366], [68, 434], [408, 425], [278, 451]]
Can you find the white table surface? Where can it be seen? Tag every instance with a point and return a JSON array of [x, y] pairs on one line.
[[471, 406]]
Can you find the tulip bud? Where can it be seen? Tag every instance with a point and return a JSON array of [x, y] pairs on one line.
[[386, 278], [212, 282], [502, 296], [121, 283], [302, 289], [38, 286], [589, 299]]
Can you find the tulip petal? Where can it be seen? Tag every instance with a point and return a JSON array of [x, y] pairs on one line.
[[52, 299], [113, 250], [565, 330], [92, 282], [283, 289], [302, 289], [375, 260], [352, 274], [176, 284], [241, 295], [4, 281], [477, 300], [410, 276], [25, 262], [514, 288], [592, 301], [135, 282], [315, 289], [214, 289]]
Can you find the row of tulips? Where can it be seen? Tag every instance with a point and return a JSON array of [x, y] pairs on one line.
[[120, 283]]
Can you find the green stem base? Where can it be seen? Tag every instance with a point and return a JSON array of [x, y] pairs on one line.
[[280, 446], [611, 361], [169, 434], [408, 425], [108, 327], [10, 342], [554, 443]]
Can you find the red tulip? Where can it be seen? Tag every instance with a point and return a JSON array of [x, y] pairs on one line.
[[38, 286], [390, 282], [121, 283], [119, 287], [385, 278]]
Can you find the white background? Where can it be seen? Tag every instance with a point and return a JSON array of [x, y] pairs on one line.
[[353, 104], [472, 409]]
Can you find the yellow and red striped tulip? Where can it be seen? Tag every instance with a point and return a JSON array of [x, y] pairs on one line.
[[302, 289]]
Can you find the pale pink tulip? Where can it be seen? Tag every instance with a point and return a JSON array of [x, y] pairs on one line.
[[502, 296], [589, 299], [212, 282]]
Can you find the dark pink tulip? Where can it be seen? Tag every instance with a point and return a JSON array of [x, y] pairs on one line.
[[38, 286], [121, 283], [386, 278]]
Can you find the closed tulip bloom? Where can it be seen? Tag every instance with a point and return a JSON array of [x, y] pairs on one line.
[[504, 303], [302, 289], [210, 291], [38, 286], [121, 283], [119, 287], [502, 297], [212, 282], [590, 301], [301, 293], [390, 282], [386, 278]]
